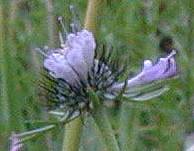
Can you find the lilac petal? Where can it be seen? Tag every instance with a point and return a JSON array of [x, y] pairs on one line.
[[83, 43], [59, 67], [75, 59], [163, 69]]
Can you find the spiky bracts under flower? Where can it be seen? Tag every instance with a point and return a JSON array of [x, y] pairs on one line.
[[72, 97]]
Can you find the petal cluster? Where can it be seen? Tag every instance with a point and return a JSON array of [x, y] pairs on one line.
[[73, 61]]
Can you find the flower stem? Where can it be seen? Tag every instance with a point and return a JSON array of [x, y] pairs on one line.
[[101, 119], [92, 14], [100, 115], [73, 129], [72, 135], [107, 133], [129, 130]]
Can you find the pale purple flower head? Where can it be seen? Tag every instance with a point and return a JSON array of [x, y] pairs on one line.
[[73, 68]]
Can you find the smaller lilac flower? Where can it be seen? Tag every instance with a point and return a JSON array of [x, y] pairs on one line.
[[15, 143], [163, 69]]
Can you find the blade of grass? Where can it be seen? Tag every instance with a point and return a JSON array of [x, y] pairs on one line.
[[4, 100]]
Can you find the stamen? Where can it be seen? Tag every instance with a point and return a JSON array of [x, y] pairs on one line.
[[75, 18], [73, 28], [41, 51], [64, 31], [62, 43]]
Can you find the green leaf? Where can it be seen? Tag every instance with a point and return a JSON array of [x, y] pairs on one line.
[[150, 95]]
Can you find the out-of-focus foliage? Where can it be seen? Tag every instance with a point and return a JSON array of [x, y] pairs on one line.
[[134, 28]]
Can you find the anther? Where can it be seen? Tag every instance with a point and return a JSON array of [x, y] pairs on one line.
[[75, 18], [64, 31]]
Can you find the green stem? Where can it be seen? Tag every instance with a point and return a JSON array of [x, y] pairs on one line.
[[128, 134], [106, 130], [92, 13], [101, 118], [100, 115], [72, 135]]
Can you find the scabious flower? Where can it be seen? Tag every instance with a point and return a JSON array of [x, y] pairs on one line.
[[188, 144], [15, 143], [73, 68]]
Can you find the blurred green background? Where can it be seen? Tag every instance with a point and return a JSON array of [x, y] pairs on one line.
[[130, 26]]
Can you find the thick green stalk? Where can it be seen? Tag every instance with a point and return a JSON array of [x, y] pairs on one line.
[[101, 119], [107, 133], [100, 115], [128, 131], [92, 13], [73, 129], [72, 135]]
